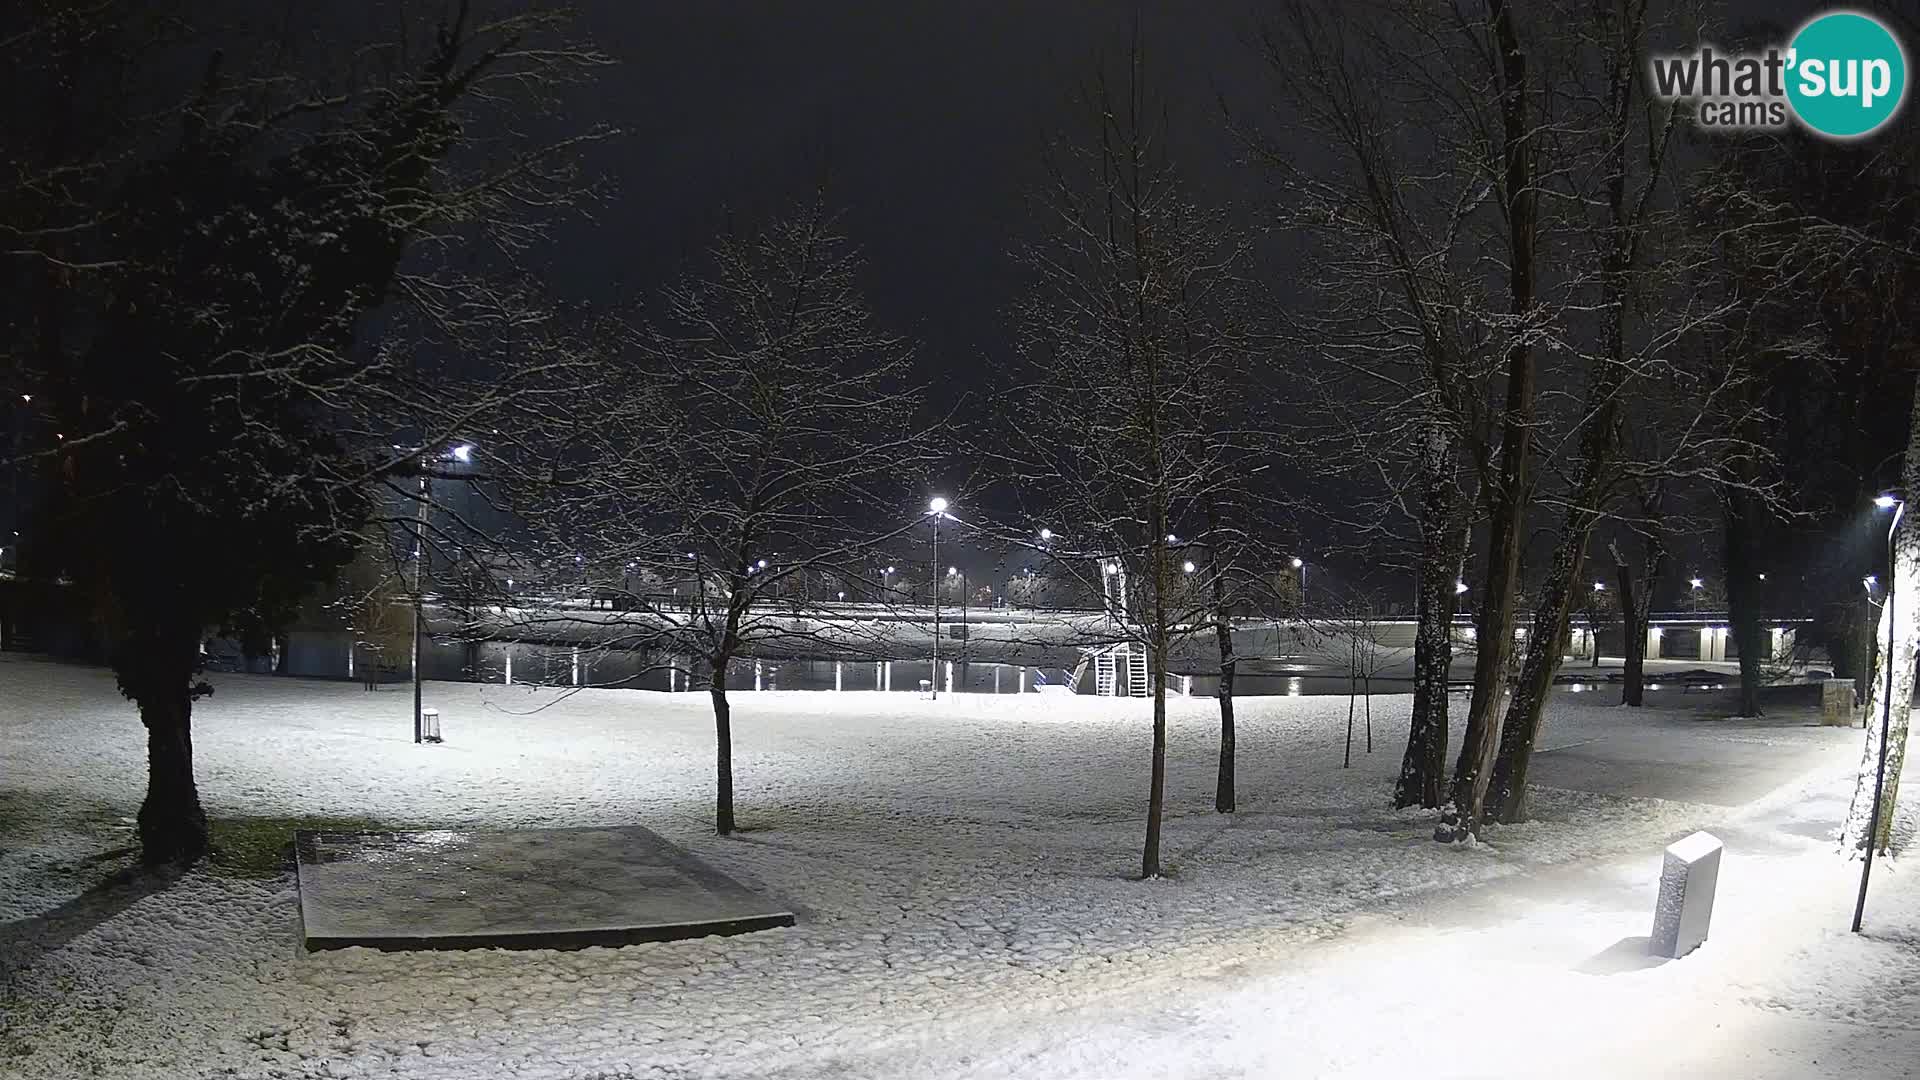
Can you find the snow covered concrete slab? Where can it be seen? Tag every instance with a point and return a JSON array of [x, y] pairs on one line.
[[523, 889]]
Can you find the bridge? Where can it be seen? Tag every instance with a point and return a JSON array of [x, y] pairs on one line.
[[583, 642]]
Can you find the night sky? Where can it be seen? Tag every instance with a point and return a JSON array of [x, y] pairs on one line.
[[927, 121]]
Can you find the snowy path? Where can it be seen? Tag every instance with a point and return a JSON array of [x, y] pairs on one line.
[[961, 869]]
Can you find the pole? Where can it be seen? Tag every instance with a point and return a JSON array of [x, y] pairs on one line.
[[935, 568], [1886, 722], [964, 630], [419, 576]]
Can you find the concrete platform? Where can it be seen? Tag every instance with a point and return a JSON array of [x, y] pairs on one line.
[[526, 889]]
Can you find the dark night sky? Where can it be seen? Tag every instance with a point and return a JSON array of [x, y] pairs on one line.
[[927, 118]]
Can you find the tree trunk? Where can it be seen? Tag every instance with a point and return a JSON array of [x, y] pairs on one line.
[[723, 747], [1634, 617], [1157, 656], [1353, 690], [1507, 788], [1898, 615], [1637, 607], [1157, 784], [1506, 532], [1443, 539], [158, 673], [1223, 785], [1906, 603], [1744, 596]]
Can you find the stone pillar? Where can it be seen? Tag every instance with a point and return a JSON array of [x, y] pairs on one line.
[[1685, 905], [509, 678], [950, 688], [1773, 643], [836, 674], [1653, 643], [756, 674], [1021, 686], [576, 666], [996, 678], [1706, 643], [1836, 703]]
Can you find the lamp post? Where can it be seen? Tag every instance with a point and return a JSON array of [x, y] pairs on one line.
[[1300, 564], [954, 571], [1899, 508], [461, 453], [936, 509]]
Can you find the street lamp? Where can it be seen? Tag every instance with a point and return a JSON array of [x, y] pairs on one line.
[[1187, 567], [936, 509], [1300, 564], [1459, 587], [1046, 535], [954, 571], [1599, 586], [1899, 508], [462, 453]]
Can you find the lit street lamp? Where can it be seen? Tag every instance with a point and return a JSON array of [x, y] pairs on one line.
[[936, 509], [1300, 564], [463, 454], [1899, 508]]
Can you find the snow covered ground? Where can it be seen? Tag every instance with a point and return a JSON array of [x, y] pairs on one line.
[[963, 873]]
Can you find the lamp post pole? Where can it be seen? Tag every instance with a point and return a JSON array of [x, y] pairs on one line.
[[1899, 508], [419, 578], [952, 571], [937, 507]]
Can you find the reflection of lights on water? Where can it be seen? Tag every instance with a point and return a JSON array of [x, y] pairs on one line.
[[1653, 686], [1293, 687]]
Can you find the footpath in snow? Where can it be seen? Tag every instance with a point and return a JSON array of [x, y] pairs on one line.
[[961, 870]]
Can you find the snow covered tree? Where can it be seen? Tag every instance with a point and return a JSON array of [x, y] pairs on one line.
[[1125, 341], [204, 472], [1889, 711], [1401, 221], [760, 434]]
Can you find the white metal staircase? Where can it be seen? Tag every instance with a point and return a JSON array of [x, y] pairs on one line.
[[1120, 670]]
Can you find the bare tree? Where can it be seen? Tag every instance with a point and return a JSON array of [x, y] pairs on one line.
[[1403, 221], [1636, 592], [758, 437], [1355, 628], [1123, 341]]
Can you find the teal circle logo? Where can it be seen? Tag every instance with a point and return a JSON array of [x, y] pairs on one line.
[[1847, 74]]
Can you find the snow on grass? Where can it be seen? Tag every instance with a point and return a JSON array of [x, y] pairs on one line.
[[956, 864]]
